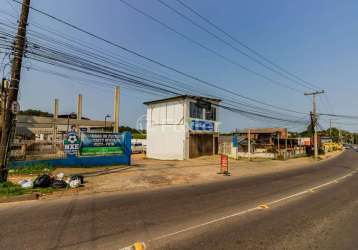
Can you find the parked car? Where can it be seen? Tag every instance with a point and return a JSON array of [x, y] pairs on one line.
[[138, 148]]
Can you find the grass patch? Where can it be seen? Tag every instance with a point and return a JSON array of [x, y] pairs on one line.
[[33, 169], [10, 189], [48, 190]]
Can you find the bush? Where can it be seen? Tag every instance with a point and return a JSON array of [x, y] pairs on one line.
[[139, 136], [40, 168], [9, 189], [281, 157]]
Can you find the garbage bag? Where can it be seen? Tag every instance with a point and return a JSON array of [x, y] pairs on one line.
[[60, 176], [59, 184], [77, 177], [43, 181], [75, 183], [26, 183]]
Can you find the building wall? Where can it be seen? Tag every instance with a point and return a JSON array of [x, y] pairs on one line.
[[169, 129], [166, 131]]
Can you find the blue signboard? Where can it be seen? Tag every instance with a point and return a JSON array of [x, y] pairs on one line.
[[101, 143], [108, 156], [202, 125], [235, 142]]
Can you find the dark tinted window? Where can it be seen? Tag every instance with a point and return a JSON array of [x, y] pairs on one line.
[[196, 111], [210, 114]]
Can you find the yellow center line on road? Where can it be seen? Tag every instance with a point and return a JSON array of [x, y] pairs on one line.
[[262, 206]]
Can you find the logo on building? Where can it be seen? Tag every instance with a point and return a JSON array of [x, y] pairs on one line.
[[202, 125], [71, 143]]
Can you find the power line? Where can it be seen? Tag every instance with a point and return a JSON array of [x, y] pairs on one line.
[[231, 45], [201, 45], [338, 115], [156, 62], [176, 93], [67, 60], [244, 112], [260, 55], [82, 52]]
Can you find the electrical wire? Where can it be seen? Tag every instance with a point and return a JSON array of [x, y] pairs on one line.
[[49, 55], [244, 45], [157, 62], [190, 20]]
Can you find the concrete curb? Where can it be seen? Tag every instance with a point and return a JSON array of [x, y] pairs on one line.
[[25, 197]]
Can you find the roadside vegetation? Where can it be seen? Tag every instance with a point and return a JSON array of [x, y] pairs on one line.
[[32, 169], [8, 189]]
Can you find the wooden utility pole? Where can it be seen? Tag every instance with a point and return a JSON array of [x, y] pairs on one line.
[[286, 154], [314, 118], [55, 118], [9, 115], [278, 144], [249, 144]]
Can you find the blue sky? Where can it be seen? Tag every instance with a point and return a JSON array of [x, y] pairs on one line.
[[316, 40]]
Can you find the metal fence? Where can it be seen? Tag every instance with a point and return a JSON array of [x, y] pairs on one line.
[[225, 145], [38, 147]]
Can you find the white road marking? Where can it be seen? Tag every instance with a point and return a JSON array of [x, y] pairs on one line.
[[310, 190], [288, 197], [207, 223]]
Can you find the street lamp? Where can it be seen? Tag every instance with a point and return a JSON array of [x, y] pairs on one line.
[[105, 121]]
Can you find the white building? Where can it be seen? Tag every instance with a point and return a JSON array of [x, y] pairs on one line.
[[182, 127]]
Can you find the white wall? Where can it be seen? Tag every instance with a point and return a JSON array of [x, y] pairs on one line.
[[166, 131], [256, 155]]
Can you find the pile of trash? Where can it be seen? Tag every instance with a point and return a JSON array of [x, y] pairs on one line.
[[58, 181]]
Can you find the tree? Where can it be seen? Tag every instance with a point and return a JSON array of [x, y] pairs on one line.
[[35, 112]]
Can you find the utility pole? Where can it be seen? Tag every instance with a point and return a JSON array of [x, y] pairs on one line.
[[4, 88], [286, 154], [9, 115], [116, 109], [330, 128], [249, 144], [278, 145], [55, 118], [79, 113], [314, 118]]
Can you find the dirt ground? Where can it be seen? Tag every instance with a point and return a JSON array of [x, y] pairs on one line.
[[147, 174]]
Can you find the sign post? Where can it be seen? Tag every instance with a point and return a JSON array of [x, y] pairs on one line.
[[224, 165]]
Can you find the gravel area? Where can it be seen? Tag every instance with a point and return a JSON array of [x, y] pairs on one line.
[[147, 173]]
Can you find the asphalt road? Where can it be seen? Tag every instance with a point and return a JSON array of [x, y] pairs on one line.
[[309, 208]]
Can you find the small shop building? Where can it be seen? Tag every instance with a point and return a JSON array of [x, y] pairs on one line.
[[182, 127]]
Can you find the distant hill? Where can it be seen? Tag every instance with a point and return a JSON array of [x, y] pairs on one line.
[[35, 112]]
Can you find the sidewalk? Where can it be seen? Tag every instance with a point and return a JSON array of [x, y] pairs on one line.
[[147, 174]]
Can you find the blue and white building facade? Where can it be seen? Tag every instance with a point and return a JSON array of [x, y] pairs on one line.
[[182, 127]]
